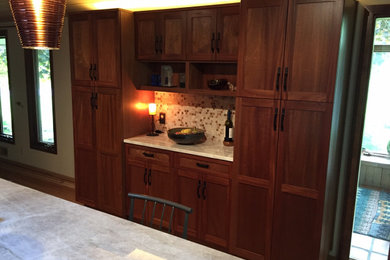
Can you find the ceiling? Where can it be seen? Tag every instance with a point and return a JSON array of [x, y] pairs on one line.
[[134, 5], [81, 5]]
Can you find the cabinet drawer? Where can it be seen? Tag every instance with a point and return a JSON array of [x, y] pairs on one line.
[[208, 165], [144, 154]]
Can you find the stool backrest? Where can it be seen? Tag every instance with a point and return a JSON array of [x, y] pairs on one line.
[[164, 203]]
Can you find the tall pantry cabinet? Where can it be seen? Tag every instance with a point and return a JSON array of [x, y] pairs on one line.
[[286, 77], [101, 64]]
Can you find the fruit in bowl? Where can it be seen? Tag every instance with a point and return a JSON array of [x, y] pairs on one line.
[[187, 135]]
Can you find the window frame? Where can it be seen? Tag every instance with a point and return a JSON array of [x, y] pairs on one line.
[[7, 138], [31, 84]]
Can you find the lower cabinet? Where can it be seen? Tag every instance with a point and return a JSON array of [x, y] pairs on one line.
[[204, 185], [198, 182], [148, 171]]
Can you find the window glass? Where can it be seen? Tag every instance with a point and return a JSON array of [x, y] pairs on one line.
[[6, 131], [376, 136], [44, 98], [40, 100]]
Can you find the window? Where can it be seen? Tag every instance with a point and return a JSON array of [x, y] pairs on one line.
[[6, 131], [40, 96], [376, 135]]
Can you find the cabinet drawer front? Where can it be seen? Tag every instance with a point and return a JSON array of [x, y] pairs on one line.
[[135, 153], [203, 165]]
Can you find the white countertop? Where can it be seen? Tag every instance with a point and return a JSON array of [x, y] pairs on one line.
[[34, 225], [206, 149]]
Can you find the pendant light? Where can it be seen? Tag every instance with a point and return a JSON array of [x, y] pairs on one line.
[[39, 22]]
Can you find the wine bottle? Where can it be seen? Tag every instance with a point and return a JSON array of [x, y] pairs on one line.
[[228, 140]]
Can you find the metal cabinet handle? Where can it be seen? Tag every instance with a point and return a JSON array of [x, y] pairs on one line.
[[212, 42], [201, 165], [282, 120], [96, 101], [90, 71], [92, 100], [161, 43], [150, 177], [156, 44], [275, 118], [218, 40], [204, 190], [278, 79], [198, 189], [285, 79], [146, 173], [148, 154], [94, 72]]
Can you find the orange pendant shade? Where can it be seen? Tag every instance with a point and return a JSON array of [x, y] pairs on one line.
[[39, 22]]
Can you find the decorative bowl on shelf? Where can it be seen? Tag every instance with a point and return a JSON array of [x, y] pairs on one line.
[[187, 135], [218, 84]]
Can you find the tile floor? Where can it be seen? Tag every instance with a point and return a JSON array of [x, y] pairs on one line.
[[368, 248]]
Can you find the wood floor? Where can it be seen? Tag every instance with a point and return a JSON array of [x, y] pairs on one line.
[[44, 181]]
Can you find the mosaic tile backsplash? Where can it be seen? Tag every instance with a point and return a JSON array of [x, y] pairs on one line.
[[204, 112]]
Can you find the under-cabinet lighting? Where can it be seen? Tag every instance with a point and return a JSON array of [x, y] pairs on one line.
[[154, 5]]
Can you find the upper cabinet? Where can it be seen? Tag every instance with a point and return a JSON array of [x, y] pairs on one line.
[[160, 35], [289, 54], [212, 34], [95, 59], [196, 34]]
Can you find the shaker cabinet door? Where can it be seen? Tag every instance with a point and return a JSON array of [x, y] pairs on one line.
[[261, 48], [107, 52], [201, 34], [146, 35], [312, 43], [301, 177], [172, 37], [227, 33], [80, 32], [85, 146]]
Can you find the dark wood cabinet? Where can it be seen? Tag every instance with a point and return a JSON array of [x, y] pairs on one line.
[[95, 52], [297, 65], [204, 185], [97, 137], [84, 146], [281, 154], [149, 171], [212, 34], [160, 35], [101, 88], [256, 139], [303, 148]]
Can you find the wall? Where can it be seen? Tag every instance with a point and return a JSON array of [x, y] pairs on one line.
[[62, 162], [375, 172], [204, 112]]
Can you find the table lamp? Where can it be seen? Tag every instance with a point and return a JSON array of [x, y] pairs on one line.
[[152, 113]]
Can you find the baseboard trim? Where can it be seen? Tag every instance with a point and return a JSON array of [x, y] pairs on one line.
[[13, 171]]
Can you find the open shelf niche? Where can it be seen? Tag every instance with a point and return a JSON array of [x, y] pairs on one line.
[[197, 75]]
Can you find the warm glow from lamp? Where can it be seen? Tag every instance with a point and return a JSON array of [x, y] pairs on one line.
[[152, 109], [141, 106], [153, 4]]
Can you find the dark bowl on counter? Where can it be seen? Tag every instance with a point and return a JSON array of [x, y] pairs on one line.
[[187, 135]]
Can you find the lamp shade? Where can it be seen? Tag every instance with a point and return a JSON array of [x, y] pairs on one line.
[[39, 22], [152, 109]]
